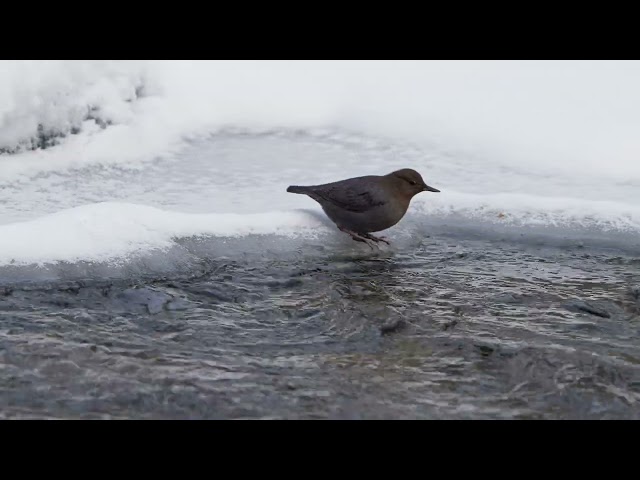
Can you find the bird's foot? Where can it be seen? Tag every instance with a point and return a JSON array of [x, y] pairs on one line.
[[358, 237], [376, 239]]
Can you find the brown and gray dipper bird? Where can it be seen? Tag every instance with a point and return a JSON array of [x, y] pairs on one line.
[[361, 205]]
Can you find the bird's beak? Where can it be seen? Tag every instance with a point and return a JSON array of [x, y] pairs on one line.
[[427, 188]]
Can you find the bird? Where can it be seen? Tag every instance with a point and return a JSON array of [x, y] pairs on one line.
[[372, 203]]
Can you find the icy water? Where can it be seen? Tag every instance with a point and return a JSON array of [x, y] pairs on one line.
[[453, 327], [202, 290]]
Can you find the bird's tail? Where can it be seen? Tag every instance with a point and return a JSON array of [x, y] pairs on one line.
[[297, 189]]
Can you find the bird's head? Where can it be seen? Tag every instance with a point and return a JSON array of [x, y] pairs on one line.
[[411, 182]]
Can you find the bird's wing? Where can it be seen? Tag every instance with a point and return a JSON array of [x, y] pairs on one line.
[[352, 196]]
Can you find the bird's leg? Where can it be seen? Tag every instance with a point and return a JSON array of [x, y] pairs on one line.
[[357, 237], [376, 239]]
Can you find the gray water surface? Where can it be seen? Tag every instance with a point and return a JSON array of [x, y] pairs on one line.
[[453, 327]]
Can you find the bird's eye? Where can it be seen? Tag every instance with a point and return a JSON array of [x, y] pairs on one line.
[[412, 182]]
